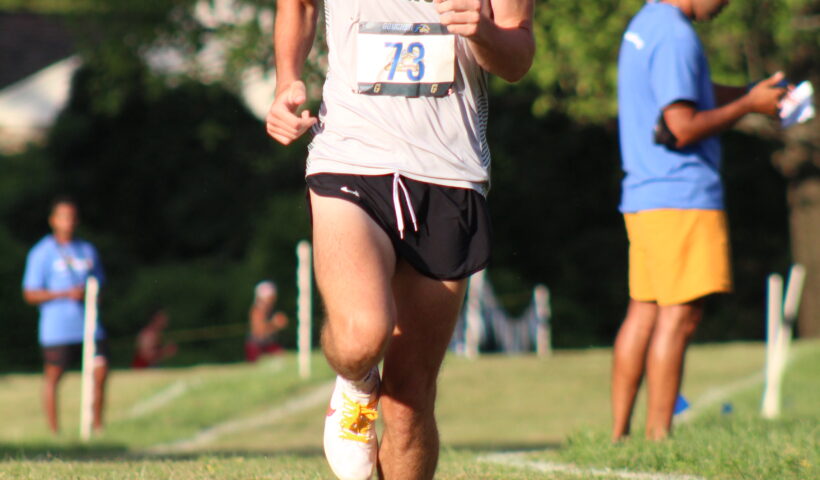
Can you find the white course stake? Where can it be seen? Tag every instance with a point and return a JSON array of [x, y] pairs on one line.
[[472, 336], [543, 335], [774, 321], [92, 288], [304, 308], [781, 318], [794, 292]]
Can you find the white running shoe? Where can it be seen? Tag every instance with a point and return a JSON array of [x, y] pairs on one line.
[[351, 446]]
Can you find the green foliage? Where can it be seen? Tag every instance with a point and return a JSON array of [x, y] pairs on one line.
[[187, 200], [555, 219], [19, 328], [759, 237], [554, 197], [575, 67], [112, 35], [25, 187], [750, 41], [191, 204], [181, 162], [577, 49], [46, 6]]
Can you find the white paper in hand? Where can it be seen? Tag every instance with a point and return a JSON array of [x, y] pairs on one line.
[[798, 105]]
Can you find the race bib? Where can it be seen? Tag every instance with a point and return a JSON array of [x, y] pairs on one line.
[[405, 59]]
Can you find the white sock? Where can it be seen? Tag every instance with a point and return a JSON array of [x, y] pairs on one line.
[[366, 384]]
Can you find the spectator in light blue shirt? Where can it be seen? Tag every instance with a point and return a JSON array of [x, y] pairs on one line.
[[669, 114], [57, 268]]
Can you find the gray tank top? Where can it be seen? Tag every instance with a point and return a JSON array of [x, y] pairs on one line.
[[401, 96]]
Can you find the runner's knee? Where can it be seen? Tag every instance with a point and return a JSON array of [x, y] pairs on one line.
[[354, 344], [359, 331]]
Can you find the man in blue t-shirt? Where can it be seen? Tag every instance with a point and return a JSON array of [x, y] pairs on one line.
[[57, 268], [669, 115]]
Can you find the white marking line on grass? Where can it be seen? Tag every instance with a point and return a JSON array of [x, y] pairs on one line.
[[719, 394], [160, 399], [716, 395], [310, 399], [700, 405], [178, 388], [512, 459], [276, 364]]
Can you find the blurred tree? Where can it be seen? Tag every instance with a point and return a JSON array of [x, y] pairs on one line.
[[181, 162], [771, 36], [178, 186], [192, 204], [555, 188]]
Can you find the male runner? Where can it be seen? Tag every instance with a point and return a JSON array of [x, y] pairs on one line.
[[397, 174], [56, 270], [670, 113]]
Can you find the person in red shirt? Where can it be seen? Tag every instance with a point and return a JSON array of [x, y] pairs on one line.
[[151, 349], [265, 322]]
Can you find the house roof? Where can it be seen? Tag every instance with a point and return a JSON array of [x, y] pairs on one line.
[[37, 64], [29, 42], [35, 101]]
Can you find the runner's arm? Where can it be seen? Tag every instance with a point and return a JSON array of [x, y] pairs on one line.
[[499, 32], [293, 35], [294, 31]]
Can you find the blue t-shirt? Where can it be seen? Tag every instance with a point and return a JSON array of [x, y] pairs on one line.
[[661, 62], [52, 266]]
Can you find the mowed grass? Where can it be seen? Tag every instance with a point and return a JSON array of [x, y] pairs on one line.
[[262, 421]]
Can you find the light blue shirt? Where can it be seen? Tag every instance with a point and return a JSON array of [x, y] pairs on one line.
[[661, 62], [51, 266]]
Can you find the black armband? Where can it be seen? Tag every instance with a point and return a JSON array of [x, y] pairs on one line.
[[664, 136]]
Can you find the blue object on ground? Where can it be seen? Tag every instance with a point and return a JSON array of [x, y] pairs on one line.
[[726, 408], [681, 404]]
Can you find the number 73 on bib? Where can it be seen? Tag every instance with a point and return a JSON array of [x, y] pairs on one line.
[[405, 59]]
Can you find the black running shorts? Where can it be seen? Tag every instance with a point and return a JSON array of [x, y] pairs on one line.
[[65, 356], [453, 237]]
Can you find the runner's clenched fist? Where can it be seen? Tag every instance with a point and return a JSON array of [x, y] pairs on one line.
[[463, 17], [283, 123]]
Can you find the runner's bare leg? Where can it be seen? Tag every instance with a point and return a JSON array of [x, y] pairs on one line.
[[427, 311], [354, 263]]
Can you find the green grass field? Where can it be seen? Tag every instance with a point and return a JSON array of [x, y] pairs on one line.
[[500, 418]]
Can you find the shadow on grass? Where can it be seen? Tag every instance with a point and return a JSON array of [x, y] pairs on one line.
[[47, 452], [101, 452]]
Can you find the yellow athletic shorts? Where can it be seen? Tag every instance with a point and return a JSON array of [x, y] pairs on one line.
[[677, 256]]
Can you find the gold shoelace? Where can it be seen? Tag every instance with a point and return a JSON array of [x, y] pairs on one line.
[[357, 419]]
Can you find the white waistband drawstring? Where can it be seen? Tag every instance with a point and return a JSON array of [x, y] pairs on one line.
[[399, 185]]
